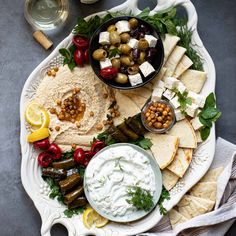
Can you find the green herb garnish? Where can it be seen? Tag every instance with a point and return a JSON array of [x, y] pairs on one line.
[[55, 189], [185, 35], [208, 114], [183, 100], [164, 196], [68, 56], [70, 212], [140, 198], [67, 155], [106, 138], [163, 22], [144, 143], [113, 52]]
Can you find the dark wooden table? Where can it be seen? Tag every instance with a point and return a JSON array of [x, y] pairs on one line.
[[20, 54]]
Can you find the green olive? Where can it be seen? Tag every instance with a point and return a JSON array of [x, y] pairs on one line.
[[133, 22], [126, 60], [99, 54], [111, 28], [125, 49], [125, 37], [142, 57], [132, 70], [121, 78], [143, 44], [114, 38], [115, 62]]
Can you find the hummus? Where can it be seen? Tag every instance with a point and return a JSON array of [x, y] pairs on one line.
[[92, 91]]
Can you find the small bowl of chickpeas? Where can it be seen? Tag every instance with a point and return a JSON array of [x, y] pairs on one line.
[[126, 52], [158, 117]]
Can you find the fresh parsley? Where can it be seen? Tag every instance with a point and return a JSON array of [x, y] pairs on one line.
[[113, 52], [106, 138], [140, 198], [144, 143], [67, 155], [208, 115], [183, 100], [165, 195], [55, 189], [70, 212]]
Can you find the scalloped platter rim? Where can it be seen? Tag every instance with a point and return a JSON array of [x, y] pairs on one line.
[[50, 210]]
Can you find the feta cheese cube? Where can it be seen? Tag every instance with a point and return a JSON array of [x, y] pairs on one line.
[[133, 43], [180, 87], [169, 94], [159, 84], [122, 26], [104, 38], [191, 110], [197, 98], [135, 79], [152, 41], [146, 68], [105, 63], [179, 115], [196, 123], [157, 94], [175, 103], [170, 82]]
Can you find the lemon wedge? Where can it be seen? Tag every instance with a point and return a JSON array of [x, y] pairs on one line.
[[91, 217], [45, 119], [38, 134], [37, 116]]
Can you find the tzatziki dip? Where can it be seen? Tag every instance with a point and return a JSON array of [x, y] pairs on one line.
[[112, 172]]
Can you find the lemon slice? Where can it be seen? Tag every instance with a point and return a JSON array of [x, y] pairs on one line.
[[33, 114], [38, 134], [37, 116], [88, 218], [100, 221], [91, 217]]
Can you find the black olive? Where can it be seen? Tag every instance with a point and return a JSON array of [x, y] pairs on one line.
[[106, 47], [134, 33], [141, 35], [151, 52], [123, 69], [135, 54], [144, 29]]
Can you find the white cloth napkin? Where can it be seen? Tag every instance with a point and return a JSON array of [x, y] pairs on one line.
[[218, 221]]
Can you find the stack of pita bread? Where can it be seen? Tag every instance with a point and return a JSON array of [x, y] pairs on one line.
[[199, 200], [173, 151]]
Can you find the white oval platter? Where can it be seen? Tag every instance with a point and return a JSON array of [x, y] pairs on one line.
[[50, 210]]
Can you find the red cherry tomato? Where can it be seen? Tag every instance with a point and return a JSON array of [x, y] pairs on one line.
[[97, 146], [79, 156], [55, 151], [109, 72], [86, 56], [79, 57], [88, 157], [80, 42], [42, 144], [45, 159]]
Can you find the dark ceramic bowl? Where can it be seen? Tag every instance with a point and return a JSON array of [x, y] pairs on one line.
[[156, 62]]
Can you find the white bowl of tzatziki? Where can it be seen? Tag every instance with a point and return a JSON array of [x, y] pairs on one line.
[[113, 173]]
